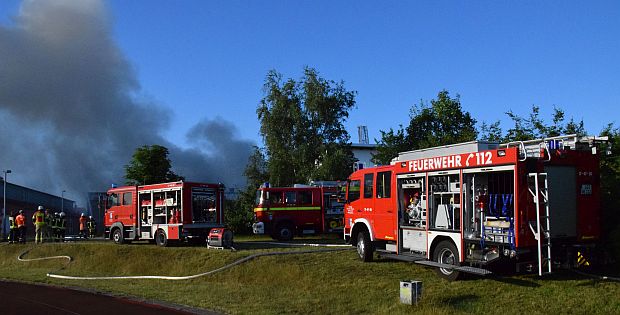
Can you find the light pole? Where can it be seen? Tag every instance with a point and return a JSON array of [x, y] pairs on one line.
[[62, 201], [4, 206]]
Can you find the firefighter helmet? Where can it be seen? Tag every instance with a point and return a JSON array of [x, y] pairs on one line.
[[40, 208]]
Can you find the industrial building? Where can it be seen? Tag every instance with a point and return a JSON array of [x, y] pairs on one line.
[[28, 199]]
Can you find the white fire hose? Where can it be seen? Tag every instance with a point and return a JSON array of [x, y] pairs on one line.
[[302, 244], [235, 263]]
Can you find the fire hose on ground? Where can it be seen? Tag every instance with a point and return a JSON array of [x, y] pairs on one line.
[[175, 278], [597, 277]]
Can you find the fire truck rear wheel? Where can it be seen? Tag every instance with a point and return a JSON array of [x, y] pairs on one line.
[[446, 253], [364, 246], [161, 239], [117, 236]]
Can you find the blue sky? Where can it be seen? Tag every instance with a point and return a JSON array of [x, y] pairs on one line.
[[209, 58]]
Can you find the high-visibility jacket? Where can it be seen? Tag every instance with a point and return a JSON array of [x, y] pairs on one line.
[[12, 223], [38, 218], [91, 224], [55, 220], [83, 221], [20, 220], [48, 219]]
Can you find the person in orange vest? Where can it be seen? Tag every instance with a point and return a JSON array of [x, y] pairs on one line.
[[38, 219], [83, 220], [20, 220]]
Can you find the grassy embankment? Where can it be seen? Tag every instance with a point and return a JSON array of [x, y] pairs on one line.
[[323, 283]]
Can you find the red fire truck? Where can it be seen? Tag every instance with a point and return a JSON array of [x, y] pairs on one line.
[[175, 211], [284, 212], [462, 207]]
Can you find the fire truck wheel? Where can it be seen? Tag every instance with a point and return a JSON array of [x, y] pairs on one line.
[[117, 236], [284, 232], [364, 247], [161, 239], [446, 253]]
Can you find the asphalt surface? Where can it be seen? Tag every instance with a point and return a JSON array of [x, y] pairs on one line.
[[21, 298]]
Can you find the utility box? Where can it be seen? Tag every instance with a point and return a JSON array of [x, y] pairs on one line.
[[410, 292]]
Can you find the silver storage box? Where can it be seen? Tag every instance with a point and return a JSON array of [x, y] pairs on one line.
[[410, 292]]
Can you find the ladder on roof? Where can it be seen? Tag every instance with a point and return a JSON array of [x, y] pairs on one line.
[[538, 188], [541, 148]]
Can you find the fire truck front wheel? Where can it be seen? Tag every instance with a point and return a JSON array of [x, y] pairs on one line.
[[364, 246], [446, 253], [117, 236], [284, 232], [161, 239]]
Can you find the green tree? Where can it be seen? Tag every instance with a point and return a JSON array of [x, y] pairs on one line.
[[491, 132], [302, 125], [150, 165], [440, 123], [610, 181], [391, 143], [534, 127], [239, 215]]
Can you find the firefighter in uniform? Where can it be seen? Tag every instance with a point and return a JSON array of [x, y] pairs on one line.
[[48, 226], [38, 219], [92, 226], [62, 225], [20, 221], [55, 219], [13, 228]]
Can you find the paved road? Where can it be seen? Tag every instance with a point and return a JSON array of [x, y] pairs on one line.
[[20, 298]]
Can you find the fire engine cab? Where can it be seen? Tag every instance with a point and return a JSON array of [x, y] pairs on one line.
[[284, 212], [175, 211], [463, 207]]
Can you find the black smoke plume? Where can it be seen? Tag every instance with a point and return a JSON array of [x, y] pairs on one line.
[[72, 112]]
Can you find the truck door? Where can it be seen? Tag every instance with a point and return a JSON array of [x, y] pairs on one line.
[[122, 207], [385, 210]]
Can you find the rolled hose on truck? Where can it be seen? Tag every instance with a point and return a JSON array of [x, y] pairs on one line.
[[176, 278]]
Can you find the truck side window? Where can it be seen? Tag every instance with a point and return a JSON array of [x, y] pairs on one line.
[[275, 197], [291, 197], [354, 190], [305, 197], [127, 199], [368, 185], [384, 185]]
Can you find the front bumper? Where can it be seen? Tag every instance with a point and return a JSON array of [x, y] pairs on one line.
[[258, 228]]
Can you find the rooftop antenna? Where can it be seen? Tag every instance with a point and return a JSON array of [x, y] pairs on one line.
[[362, 132]]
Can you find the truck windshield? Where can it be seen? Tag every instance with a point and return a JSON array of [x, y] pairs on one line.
[[260, 197], [113, 200], [354, 190]]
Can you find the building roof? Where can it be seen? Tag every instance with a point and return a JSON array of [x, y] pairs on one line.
[[364, 146]]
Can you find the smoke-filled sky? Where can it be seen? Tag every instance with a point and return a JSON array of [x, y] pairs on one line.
[[72, 110]]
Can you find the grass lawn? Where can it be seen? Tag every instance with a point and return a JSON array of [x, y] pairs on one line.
[[320, 283]]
